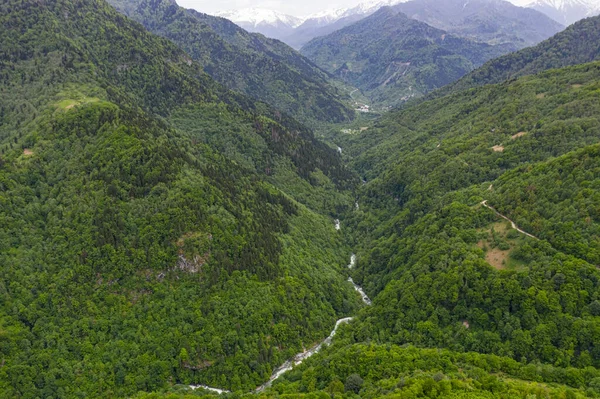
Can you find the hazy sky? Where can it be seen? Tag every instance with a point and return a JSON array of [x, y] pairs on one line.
[[292, 7]]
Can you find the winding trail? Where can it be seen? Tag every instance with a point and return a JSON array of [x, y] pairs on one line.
[[353, 99], [514, 226], [302, 356]]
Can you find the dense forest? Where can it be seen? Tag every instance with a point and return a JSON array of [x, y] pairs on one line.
[[144, 238], [578, 44], [159, 231], [445, 270], [393, 58], [262, 68]]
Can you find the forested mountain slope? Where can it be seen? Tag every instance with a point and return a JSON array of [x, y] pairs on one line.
[[158, 230], [477, 237], [578, 44], [446, 270], [489, 21], [311, 29], [393, 58], [143, 244], [391, 371], [262, 68], [557, 201]]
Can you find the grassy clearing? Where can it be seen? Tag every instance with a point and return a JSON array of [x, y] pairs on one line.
[[70, 103], [498, 241]]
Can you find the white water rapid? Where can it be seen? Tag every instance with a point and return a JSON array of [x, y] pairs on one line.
[[302, 356], [352, 262], [215, 390], [358, 289]]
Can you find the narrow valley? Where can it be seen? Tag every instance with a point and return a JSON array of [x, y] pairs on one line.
[[395, 200]]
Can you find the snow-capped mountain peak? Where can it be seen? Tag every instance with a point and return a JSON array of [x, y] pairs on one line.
[[567, 11], [563, 4], [327, 16], [260, 16], [364, 8], [282, 26], [256, 17]]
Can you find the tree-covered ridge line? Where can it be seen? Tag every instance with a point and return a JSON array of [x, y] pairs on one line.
[[143, 244], [158, 231], [393, 58], [425, 242], [557, 200], [577, 44], [527, 120], [259, 67], [127, 73], [389, 371], [411, 372]]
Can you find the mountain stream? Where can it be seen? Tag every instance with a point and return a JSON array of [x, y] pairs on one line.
[[300, 357]]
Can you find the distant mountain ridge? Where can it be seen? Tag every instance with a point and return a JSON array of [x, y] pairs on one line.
[[489, 21], [326, 22], [364, 9], [259, 67], [393, 58], [297, 31], [258, 16], [268, 22], [578, 44], [567, 11]]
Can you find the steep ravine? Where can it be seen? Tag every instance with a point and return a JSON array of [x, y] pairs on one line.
[[300, 357]]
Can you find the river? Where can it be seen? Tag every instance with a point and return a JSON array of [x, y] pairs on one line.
[[302, 356]]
